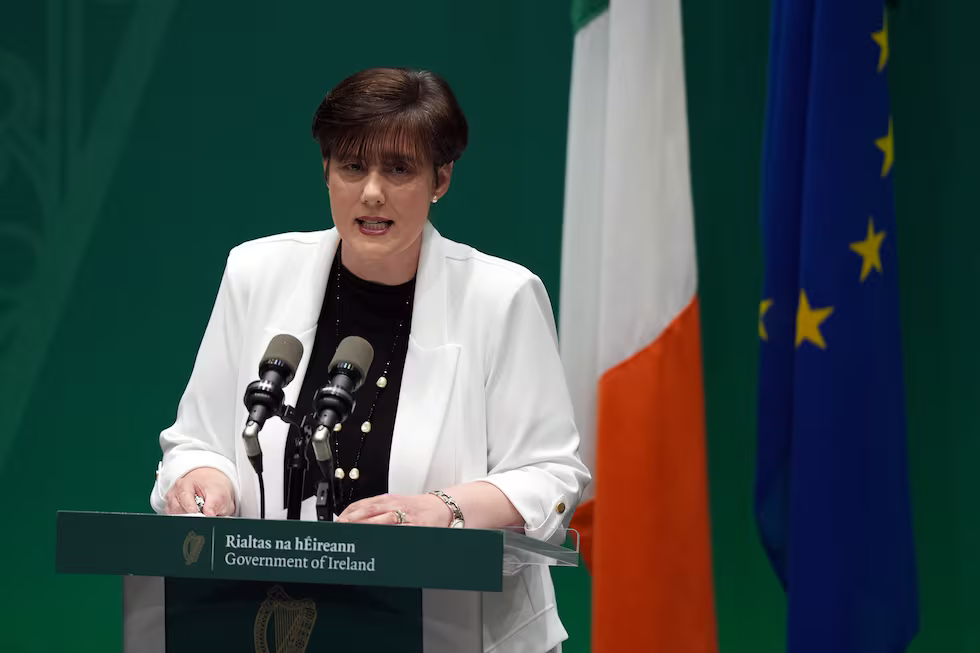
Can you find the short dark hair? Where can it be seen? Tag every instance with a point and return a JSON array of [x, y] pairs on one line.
[[391, 113]]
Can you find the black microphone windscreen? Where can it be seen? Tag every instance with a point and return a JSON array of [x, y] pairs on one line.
[[286, 348], [356, 351]]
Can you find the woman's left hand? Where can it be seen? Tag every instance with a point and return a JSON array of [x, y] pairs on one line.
[[420, 510]]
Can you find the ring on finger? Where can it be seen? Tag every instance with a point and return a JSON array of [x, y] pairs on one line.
[[400, 516], [199, 500]]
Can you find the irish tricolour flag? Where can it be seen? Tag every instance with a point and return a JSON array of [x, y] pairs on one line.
[[630, 333]]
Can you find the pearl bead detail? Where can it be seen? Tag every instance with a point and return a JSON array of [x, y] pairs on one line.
[[366, 427], [339, 473], [354, 474], [382, 382]]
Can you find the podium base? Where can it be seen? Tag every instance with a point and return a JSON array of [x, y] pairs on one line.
[[210, 616], [206, 616]]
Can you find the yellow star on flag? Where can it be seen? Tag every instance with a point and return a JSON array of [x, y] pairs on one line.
[[881, 38], [870, 250], [808, 321], [764, 306], [887, 145]]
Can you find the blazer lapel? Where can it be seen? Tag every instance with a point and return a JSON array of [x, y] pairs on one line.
[[427, 381], [297, 315], [301, 311]]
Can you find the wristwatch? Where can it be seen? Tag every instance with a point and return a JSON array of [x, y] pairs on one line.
[[457, 521]]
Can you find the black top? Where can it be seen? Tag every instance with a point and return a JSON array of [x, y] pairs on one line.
[[382, 315]]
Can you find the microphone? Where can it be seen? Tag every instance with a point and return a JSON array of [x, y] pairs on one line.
[[335, 402], [264, 398]]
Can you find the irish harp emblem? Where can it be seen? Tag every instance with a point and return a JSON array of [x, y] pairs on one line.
[[193, 544], [292, 623]]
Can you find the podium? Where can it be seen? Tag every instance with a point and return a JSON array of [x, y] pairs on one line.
[[230, 584]]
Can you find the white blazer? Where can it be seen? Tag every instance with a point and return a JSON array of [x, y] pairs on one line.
[[483, 397]]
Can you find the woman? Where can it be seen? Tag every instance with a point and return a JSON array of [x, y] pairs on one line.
[[465, 405]]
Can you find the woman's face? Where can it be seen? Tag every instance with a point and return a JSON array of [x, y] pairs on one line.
[[380, 208]]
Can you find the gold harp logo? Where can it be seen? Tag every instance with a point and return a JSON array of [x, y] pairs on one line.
[[292, 623], [193, 544]]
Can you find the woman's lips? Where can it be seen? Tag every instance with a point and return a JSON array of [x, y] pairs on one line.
[[373, 226]]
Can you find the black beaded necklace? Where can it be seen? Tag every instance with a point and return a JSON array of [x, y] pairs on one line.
[[354, 473]]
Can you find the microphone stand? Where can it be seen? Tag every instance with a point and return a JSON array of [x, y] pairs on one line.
[[298, 465], [328, 489], [333, 404]]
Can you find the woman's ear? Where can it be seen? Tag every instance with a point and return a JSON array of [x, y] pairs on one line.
[[444, 175], [326, 172]]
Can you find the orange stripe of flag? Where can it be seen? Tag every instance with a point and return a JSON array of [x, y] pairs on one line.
[[652, 587]]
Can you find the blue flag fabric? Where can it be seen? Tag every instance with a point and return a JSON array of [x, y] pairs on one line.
[[832, 495]]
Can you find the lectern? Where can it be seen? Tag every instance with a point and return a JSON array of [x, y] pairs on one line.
[[194, 584]]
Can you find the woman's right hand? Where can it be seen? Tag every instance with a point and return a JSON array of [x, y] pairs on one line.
[[210, 484]]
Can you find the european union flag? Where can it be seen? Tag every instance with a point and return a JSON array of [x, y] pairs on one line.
[[832, 493]]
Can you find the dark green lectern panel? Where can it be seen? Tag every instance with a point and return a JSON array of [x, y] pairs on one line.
[[207, 616], [273, 550]]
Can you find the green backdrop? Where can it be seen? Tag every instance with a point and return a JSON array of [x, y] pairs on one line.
[[139, 141]]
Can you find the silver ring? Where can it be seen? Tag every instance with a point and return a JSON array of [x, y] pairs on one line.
[[400, 516], [199, 500]]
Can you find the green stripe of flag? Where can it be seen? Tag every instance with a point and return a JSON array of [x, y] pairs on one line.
[[583, 11]]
